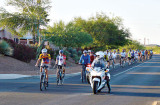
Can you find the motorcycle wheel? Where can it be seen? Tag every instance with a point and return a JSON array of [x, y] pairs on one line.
[[95, 85]]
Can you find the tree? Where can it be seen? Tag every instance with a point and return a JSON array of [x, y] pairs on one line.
[[133, 44], [31, 16], [106, 32], [69, 35]]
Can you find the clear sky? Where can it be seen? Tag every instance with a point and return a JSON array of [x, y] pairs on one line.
[[142, 17]]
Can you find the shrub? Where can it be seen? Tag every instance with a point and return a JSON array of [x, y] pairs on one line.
[[5, 48], [70, 49], [79, 53], [66, 53], [22, 52], [76, 58], [74, 51]]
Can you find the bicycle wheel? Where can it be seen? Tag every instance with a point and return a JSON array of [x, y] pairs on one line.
[[82, 75], [58, 77], [45, 83], [113, 64], [123, 63], [41, 82]]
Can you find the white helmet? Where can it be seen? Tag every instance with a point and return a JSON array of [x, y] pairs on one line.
[[89, 51], [100, 54], [85, 51], [44, 50]]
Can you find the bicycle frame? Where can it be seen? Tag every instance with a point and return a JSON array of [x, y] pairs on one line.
[[59, 75], [43, 78]]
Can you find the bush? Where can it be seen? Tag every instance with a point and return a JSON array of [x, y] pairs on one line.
[[79, 53], [66, 53], [5, 48], [74, 51], [70, 49], [22, 52], [75, 58]]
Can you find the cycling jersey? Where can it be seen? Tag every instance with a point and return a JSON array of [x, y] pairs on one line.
[[92, 58], [129, 54], [143, 53], [123, 54], [60, 60], [64, 57], [85, 59], [132, 54], [114, 55], [45, 59], [109, 55], [106, 57]]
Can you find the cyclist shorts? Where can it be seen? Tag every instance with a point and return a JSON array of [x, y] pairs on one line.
[[129, 58], [59, 66], [122, 57]]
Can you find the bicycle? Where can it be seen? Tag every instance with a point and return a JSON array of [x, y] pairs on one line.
[[43, 79], [83, 75], [122, 62], [113, 63], [60, 76]]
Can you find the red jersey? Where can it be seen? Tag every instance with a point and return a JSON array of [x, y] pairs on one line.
[[64, 57], [92, 58]]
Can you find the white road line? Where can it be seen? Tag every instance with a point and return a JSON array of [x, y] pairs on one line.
[[155, 103], [127, 70]]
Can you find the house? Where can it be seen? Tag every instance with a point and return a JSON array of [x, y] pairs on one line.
[[27, 39], [5, 34]]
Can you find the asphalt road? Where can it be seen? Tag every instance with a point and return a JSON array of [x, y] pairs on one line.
[[138, 84]]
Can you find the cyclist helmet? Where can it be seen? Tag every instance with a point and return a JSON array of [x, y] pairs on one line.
[[89, 51], [60, 51], [84, 51], [44, 50]]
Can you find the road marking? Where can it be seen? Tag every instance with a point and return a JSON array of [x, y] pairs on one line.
[[155, 103], [127, 70]]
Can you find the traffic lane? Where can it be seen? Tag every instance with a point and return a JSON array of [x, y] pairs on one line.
[[118, 96]]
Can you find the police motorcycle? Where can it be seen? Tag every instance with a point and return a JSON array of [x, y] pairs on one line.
[[97, 76]]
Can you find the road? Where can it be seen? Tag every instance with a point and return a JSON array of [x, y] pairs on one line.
[[138, 84]]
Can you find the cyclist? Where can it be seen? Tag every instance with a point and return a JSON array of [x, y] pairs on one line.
[[64, 57], [92, 56], [139, 55], [129, 57], [132, 55], [109, 57], [123, 56], [106, 57], [60, 62], [146, 54], [84, 60], [114, 55], [136, 55], [45, 60], [143, 55]]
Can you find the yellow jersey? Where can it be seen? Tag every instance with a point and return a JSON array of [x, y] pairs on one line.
[[45, 59]]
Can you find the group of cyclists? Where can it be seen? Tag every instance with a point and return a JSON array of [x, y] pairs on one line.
[[45, 59], [88, 57]]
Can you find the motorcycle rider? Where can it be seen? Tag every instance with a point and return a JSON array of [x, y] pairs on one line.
[[99, 62]]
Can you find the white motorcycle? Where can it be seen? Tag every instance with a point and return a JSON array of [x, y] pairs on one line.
[[97, 78]]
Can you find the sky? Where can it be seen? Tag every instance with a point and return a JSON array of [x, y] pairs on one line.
[[142, 17]]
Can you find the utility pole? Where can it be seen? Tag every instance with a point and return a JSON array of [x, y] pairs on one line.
[[148, 41], [144, 41]]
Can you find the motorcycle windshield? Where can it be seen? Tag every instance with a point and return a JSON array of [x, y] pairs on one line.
[[98, 69]]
